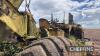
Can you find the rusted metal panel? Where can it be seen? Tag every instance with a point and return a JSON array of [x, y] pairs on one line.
[[16, 3]]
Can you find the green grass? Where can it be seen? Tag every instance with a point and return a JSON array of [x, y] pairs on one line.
[[9, 49], [76, 41]]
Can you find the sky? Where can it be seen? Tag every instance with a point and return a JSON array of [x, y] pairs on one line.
[[85, 12]]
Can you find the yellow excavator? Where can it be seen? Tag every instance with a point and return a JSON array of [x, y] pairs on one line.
[[15, 24]]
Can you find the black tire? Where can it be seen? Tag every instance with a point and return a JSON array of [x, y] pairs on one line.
[[52, 46]]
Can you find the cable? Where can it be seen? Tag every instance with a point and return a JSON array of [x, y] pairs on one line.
[[27, 5]]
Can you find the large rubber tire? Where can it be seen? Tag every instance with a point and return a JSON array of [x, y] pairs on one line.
[[52, 46]]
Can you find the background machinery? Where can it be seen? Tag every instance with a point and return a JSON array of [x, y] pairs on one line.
[[53, 28]]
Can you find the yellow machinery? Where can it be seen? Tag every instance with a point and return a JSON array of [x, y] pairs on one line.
[[14, 23]]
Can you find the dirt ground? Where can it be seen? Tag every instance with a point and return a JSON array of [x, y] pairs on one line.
[[92, 33], [94, 36]]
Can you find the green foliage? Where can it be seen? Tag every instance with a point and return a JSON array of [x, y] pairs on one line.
[[76, 41], [72, 38], [9, 49], [43, 32]]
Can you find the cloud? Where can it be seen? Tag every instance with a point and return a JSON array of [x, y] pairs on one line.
[[48, 6], [44, 8], [88, 14], [86, 11], [80, 0]]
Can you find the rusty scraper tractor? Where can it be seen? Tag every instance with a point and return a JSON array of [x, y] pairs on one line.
[[50, 40]]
